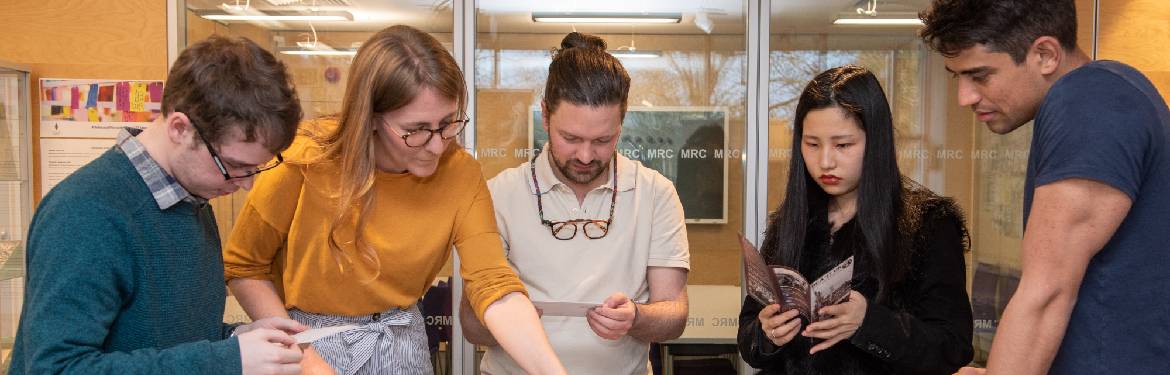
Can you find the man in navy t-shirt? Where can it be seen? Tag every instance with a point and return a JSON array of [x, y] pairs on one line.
[[1097, 193]]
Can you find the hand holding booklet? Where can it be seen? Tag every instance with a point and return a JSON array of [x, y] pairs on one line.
[[785, 286]]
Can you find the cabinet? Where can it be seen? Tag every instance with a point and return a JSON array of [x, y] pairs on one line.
[[15, 196]]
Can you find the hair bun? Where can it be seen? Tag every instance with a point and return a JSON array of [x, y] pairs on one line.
[[579, 40]]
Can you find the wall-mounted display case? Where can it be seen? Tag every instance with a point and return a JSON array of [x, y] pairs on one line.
[[15, 196]]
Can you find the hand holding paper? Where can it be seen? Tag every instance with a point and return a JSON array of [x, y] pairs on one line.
[[287, 325], [259, 355], [564, 308], [319, 333], [614, 318]]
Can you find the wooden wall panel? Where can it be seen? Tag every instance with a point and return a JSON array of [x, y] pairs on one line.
[[1137, 32], [1085, 25], [199, 28], [83, 39]]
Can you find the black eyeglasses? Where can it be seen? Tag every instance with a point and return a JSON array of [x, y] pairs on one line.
[[247, 173], [418, 138], [594, 229]]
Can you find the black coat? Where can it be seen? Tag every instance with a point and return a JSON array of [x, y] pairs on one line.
[[925, 325]]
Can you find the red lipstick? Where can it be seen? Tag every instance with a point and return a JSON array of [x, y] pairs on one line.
[[829, 179]]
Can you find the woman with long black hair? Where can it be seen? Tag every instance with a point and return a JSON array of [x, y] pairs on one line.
[[908, 312]]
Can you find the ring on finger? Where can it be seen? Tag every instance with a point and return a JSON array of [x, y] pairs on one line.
[[773, 334]]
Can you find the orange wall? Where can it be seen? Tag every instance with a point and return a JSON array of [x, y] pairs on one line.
[[1137, 32], [83, 39]]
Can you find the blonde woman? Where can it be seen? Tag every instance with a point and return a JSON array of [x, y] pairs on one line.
[[358, 222]]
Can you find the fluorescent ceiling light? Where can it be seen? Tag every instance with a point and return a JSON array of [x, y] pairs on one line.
[[272, 15], [229, 17], [879, 21], [607, 17], [635, 54], [317, 51]]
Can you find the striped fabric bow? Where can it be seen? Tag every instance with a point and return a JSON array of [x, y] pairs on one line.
[[363, 341]]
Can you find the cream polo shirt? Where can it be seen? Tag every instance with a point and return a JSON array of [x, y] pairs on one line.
[[647, 231]]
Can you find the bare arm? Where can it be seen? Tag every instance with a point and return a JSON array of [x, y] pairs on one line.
[[515, 325], [257, 297], [1071, 220], [663, 318], [473, 329], [259, 300]]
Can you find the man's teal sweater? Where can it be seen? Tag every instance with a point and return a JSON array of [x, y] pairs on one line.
[[117, 286]]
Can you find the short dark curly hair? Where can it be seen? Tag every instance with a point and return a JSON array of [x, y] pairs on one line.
[[226, 84], [1009, 26]]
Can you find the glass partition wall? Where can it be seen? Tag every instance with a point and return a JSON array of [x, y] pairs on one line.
[[691, 117], [318, 53], [686, 119], [934, 137]]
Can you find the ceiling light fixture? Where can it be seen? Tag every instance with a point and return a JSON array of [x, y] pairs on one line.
[[635, 53], [276, 15], [879, 21], [247, 4], [868, 16], [631, 50], [607, 17], [703, 22], [319, 50]]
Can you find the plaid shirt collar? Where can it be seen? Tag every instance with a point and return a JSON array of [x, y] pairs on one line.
[[167, 192]]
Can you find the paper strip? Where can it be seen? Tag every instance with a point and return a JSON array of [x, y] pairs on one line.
[[137, 97]]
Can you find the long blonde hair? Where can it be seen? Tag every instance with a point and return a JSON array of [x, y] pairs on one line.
[[388, 72]]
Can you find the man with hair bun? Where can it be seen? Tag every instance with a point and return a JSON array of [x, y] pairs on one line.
[[582, 223], [1097, 192]]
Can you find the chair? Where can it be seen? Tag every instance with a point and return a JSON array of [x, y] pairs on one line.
[[436, 309], [706, 359]]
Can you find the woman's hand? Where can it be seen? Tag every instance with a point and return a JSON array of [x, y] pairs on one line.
[[779, 328], [847, 317]]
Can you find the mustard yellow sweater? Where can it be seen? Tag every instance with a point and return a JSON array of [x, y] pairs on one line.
[[282, 233]]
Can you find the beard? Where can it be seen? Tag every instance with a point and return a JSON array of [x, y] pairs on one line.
[[570, 171]]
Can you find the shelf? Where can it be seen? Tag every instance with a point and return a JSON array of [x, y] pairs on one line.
[[12, 258]]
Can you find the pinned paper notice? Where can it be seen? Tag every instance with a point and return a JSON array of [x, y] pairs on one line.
[[93, 115], [122, 96], [156, 89], [91, 98], [137, 97], [320, 333], [565, 308], [75, 99]]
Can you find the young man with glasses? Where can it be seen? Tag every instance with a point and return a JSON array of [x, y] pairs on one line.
[[125, 271], [1097, 192], [581, 223]]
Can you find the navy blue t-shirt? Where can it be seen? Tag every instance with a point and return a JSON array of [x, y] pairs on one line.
[[1105, 121]]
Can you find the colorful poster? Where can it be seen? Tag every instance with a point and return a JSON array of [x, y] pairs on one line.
[[88, 108]]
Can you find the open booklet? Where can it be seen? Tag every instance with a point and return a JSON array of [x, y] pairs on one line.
[[782, 285]]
